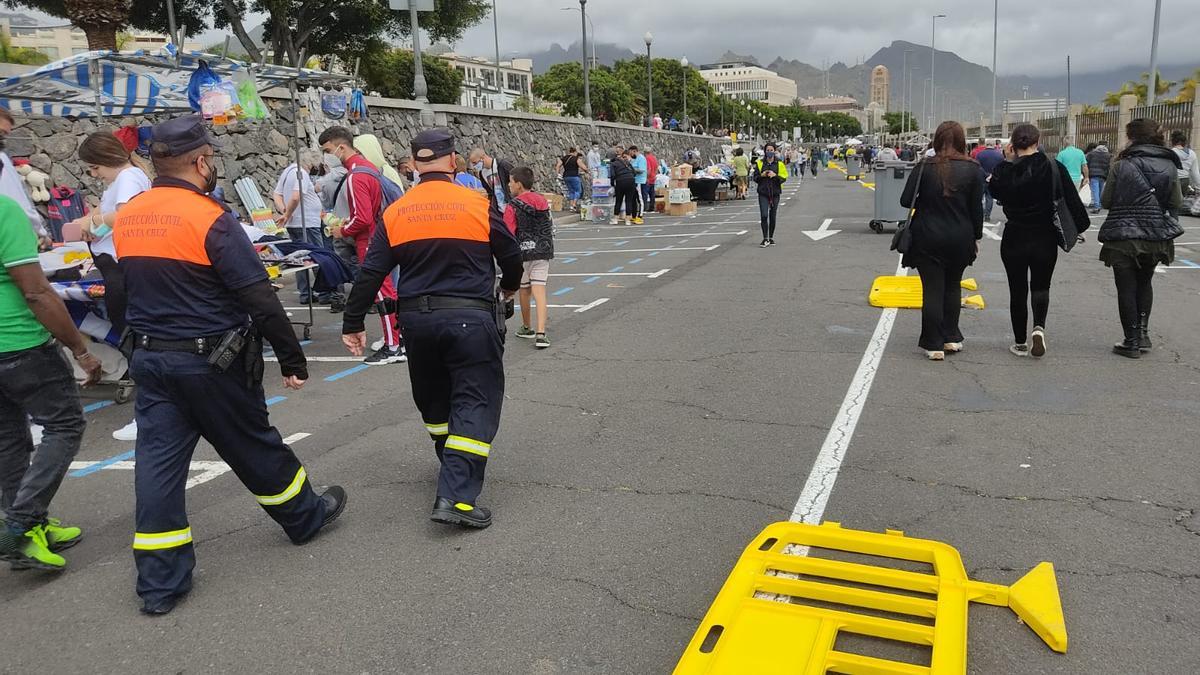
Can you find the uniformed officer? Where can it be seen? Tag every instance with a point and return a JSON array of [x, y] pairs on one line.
[[196, 286], [443, 238]]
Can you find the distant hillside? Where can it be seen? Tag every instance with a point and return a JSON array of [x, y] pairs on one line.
[[606, 54]]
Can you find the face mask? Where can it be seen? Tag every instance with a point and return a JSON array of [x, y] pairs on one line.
[[210, 183], [478, 166], [769, 155]]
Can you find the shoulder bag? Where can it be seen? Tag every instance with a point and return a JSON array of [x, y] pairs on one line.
[[1064, 223], [903, 239]]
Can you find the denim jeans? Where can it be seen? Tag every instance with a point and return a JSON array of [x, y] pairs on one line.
[[316, 237], [988, 203], [36, 383], [1097, 187], [768, 209]]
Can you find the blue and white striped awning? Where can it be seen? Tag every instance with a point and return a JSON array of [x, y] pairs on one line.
[[132, 83]]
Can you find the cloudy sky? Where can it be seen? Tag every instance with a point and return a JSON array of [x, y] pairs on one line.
[[1035, 35]]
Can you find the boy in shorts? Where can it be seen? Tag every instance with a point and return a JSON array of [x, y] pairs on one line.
[[528, 215]]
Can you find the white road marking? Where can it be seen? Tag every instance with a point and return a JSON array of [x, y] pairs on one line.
[[319, 359], [810, 508], [650, 236], [821, 232], [652, 275], [591, 305], [639, 250], [296, 437]]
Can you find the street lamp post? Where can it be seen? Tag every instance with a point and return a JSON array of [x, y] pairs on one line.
[[933, 64], [903, 88], [684, 62], [496, 35], [649, 82], [587, 89], [995, 43], [1152, 90]]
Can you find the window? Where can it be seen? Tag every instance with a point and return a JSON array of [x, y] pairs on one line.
[[22, 32], [51, 52]]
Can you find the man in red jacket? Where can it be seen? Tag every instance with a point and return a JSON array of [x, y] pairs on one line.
[[359, 201], [648, 186]]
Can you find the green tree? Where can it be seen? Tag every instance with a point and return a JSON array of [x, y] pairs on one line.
[[669, 78], [101, 20], [526, 104], [22, 55], [1140, 89], [897, 122], [390, 72], [563, 83]]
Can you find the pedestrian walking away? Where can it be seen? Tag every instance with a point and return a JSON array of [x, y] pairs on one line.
[[1099, 160], [569, 168], [360, 202], [947, 227], [648, 188], [528, 215], [107, 159], [446, 241], [769, 174], [35, 382], [295, 184], [200, 306], [989, 158], [1143, 199], [1025, 185], [1189, 167], [741, 172]]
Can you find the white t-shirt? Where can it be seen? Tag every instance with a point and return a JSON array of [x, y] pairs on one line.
[[130, 183], [286, 187]]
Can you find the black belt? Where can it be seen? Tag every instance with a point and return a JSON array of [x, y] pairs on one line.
[[201, 345], [428, 303]]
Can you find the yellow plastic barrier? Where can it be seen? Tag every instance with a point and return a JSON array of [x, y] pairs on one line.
[[818, 599], [974, 302], [905, 292]]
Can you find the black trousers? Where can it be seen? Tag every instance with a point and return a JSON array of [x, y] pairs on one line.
[[941, 305], [1029, 256], [456, 366], [627, 194], [114, 290], [181, 399], [768, 210], [1135, 295]]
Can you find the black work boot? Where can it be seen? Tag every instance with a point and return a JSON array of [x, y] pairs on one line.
[[449, 512], [1131, 347], [1144, 336]]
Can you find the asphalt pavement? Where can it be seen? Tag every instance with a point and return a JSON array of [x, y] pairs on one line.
[[686, 403]]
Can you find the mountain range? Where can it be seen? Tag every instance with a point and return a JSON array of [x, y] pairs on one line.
[[967, 86]]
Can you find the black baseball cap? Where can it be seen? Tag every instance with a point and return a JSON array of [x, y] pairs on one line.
[[177, 136], [431, 144]]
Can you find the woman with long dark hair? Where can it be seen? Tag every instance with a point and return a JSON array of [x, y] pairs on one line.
[[1143, 199], [1025, 185], [946, 229]]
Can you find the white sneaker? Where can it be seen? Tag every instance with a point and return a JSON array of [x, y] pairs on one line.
[[127, 432], [35, 430], [935, 355], [377, 345], [1021, 350], [952, 347], [1038, 349]]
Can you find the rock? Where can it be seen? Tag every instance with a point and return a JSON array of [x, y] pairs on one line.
[[60, 147], [20, 145], [38, 160], [277, 141]]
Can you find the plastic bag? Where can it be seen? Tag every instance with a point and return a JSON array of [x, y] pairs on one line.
[[202, 76], [333, 104], [358, 107], [247, 93], [219, 100], [1085, 194]]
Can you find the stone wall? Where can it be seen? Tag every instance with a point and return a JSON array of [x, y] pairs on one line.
[[263, 149]]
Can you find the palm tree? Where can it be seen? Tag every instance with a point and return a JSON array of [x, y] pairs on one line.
[[1187, 88], [1140, 89]]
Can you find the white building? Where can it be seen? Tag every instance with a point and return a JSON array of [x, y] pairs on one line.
[[1030, 109], [63, 40], [479, 88], [746, 81]]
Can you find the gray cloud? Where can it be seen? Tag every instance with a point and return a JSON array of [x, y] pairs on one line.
[[1035, 36]]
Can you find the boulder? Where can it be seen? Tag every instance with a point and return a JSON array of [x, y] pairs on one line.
[[38, 160], [60, 146]]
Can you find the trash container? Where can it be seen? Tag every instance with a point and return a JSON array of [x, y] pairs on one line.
[[890, 178], [853, 167]]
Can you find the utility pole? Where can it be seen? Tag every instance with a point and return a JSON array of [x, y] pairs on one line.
[[903, 86], [995, 43], [649, 81], [496, 35], [1152, 89], [933, 65], [587, 91]]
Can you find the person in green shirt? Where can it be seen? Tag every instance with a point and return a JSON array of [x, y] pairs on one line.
[[741, 172], [35, 382], [1075, 161]]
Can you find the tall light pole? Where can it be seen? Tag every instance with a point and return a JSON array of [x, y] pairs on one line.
[[995, 43], [903, 87], [684, 62], [1152, 89], [912, 118], [926, 113], [649, 82], [933, 64], [587, 88]]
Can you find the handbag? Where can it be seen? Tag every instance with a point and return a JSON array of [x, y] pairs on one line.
[[902, 241], [1064, 223]]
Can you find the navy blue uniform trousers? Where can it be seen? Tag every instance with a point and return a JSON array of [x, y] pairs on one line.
[[180, 398], [456, 366]]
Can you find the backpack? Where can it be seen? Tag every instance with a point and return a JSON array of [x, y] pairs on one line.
[[65, 205], [391, 191]]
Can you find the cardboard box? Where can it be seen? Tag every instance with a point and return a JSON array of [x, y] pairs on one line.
[[681, 171], [679, 196], [681, 209], [677, 184], [556, 200], [660, 207]]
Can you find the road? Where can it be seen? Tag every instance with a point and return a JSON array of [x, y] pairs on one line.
[[686, 403]]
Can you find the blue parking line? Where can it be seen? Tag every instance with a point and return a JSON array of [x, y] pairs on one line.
[[347, 372], [101, 464], [567, 261], [618, 268], [93, 407], [634, 261], [591, 280], [276, 399], [621, 243], [1189, 263], [561, 291], [652, 253]]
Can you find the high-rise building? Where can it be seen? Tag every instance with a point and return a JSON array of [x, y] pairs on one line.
[[880, 86]]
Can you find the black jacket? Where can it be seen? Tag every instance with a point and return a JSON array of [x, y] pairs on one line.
[[769, 186], [1099, 161], [945, 229], [1142, 195], [1025, 187], [620, 171], [535, 230], [501, 171]]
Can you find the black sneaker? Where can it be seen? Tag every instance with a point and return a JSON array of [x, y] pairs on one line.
[[541, 341], [770, 242], [385, 355], [1129, 349], [161, 606], [449, 512], [765, 243], [336, 306]]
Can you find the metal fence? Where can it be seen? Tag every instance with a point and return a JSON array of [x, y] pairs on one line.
[[1053, 130], [1097, 128], [1173, 116]]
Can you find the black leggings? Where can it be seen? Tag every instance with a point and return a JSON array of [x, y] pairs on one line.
[[114, 290], [627, 194], [1135, 295], [1029, 257]]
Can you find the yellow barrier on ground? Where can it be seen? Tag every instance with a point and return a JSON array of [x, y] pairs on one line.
[[782, 614], [974, 302], [905, 292]]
